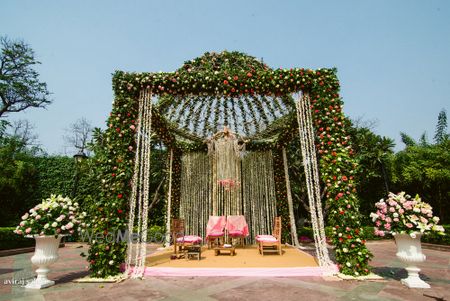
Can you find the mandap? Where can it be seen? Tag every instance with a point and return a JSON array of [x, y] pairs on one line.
[[226, 120]]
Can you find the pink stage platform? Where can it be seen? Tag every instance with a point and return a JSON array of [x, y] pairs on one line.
[[241, 272]]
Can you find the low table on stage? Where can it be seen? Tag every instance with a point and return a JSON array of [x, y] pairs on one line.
[[219, 249], [193, 251]]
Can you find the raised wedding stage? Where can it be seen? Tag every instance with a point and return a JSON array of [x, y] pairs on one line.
[[247, 262]]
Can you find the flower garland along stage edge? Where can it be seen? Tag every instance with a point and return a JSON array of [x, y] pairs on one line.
[[336, 162]]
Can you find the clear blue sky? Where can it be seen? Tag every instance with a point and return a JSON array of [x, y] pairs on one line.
[[393, 57]]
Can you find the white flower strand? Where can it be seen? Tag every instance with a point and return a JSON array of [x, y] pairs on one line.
[[140, 188], [195, 204], [143, 230], [320, 220], [257, 198], [134, 187], [312, 177], [136, 271], [290, 203], [169, 200]]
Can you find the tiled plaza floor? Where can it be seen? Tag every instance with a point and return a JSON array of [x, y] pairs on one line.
[[71, 266]]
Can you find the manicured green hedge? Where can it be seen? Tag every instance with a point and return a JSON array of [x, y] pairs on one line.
[[306, 232], [434, 238], [10, 240]]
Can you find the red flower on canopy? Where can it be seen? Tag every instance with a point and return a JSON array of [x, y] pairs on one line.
[[339, 195]]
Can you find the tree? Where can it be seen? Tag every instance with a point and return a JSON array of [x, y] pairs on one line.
[[441, 127], [17, 179], [375, 156], [384, 148], [79, 135], [20, 87], [407, 140], [23, 130], [424, 168]]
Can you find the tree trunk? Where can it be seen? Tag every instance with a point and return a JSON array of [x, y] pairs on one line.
[[385, 179], [155, 197]]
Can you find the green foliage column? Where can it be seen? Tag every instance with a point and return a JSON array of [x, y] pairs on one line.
[[109, 213], [337, 168], [176, 184]]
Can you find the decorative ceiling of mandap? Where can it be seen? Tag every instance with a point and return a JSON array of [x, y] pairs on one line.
[[244, 112], [224, 89]]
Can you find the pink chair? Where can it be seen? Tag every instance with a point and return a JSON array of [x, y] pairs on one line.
[[180, 241], [215, 230], [237, 228], [271, 242]]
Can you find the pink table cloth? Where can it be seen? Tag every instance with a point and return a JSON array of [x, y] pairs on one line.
[[215, 226], [237, 225]]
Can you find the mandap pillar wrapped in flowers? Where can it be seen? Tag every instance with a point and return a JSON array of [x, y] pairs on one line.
[[266, 108]]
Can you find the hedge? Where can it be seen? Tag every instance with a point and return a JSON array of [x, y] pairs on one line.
[[10, 240], [305, 234]]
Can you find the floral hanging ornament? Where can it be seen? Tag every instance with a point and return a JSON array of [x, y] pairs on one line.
[[228, 184]]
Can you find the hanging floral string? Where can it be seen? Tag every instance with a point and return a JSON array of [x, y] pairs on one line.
[[258, 192], [290, 203], [140, 190], [312, 177], [169, 200], [195, 198], [225, 152]]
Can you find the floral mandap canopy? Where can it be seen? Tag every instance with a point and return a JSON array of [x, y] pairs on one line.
[[264, 109]]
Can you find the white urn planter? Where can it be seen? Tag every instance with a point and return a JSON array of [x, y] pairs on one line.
[[409, 250], [45, 254]]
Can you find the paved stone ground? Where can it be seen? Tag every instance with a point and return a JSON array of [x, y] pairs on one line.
[[71, 266]]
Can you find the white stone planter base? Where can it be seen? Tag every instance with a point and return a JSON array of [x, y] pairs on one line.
[[409, 250], [413, 280], [46, 253], [40, 283]]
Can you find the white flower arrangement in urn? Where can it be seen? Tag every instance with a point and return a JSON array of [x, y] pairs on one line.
[[406, 218], [47, 222], [56, 215]]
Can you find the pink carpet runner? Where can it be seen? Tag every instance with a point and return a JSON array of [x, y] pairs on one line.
[[242, 272]]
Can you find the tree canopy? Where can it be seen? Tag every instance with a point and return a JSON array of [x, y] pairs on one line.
[[20, 87]]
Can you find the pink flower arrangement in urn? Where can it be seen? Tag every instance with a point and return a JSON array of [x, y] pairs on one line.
[[401, 214]]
